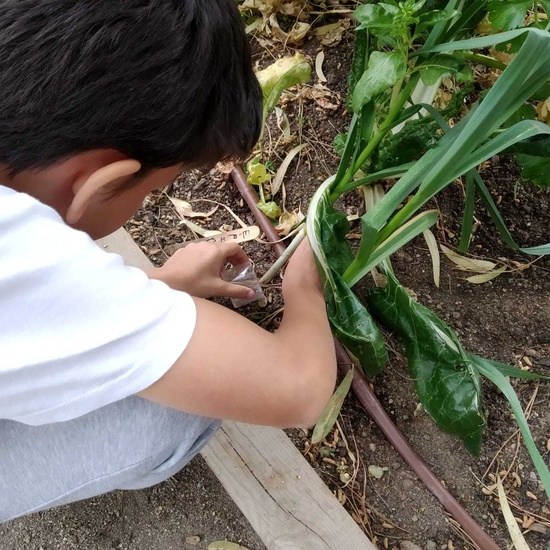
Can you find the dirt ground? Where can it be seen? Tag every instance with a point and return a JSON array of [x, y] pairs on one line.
[[507, 319], [189, 511]]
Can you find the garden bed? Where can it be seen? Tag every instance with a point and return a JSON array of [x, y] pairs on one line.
[[507, 319]]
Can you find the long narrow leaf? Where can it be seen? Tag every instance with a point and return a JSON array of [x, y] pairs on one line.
[[500, 381], [468, 216], [362, 265], [494, 212]]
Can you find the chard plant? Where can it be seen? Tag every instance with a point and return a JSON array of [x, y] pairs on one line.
[[402, 49]]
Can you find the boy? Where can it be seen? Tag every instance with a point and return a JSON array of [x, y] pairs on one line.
[[111, 378]]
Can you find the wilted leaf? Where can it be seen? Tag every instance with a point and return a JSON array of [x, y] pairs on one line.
[[185, 210], [283, 74], [483, 278], [281, 172], [296, 34], [513, 527], [319, 60], [377, 471], [225, 545], [271, 209], [332, 410], [383, 71], [434, 253], [446, 379], [288, 221], [257, 173], [468, 264]]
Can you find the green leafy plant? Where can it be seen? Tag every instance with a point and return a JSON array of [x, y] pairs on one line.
[[400, 46]]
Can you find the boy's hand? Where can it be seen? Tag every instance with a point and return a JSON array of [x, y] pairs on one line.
[[197, 268]]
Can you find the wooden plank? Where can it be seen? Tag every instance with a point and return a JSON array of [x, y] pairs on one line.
[[279, 493]]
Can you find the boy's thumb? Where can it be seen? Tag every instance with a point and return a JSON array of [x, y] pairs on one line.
[[238, 291]]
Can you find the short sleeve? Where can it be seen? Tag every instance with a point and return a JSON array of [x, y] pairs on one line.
[[78, 329]]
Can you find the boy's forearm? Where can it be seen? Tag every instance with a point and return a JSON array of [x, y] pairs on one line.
[[306, 331]]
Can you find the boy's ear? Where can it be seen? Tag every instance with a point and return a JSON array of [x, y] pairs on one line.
[[85, 190]]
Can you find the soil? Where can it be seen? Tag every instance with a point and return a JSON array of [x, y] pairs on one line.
[[506, 319]]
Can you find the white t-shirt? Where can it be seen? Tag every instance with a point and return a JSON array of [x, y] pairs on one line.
[[78, 328]]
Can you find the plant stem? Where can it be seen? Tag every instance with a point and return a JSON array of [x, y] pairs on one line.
[[378, 136], [281, 261], [486, 60]]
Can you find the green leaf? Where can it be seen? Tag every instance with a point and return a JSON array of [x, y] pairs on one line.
[[349, 319], [360, 53], [332, 410], [281, 75], [270, 209], [446, 379], [514, 372], [414, 139], [383, 71], [535, 169], [442, 65], [353, 325], [339, 143], [430, 18], [378, 19], [506, 15], [488, 370], [332, 233]]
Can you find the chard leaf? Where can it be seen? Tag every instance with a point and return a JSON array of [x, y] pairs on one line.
[[353, 325], [508, 14], [446, 378], [350, 321], [416, 137], [535, 169], [383, 71], [281, 75], [339, 144], [442, 65], [332, 235], [360, 52]]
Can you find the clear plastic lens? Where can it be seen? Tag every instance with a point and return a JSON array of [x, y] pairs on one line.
[[244, 275]]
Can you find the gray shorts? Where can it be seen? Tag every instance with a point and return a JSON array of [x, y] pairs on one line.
[[131, 444]]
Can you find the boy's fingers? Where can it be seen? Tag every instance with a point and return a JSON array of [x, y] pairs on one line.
[[233, 253], [236, 291]]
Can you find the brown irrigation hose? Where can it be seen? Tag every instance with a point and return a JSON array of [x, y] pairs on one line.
[[370, 402], [249, 195]]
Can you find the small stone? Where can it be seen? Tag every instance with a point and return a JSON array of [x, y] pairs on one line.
[[372, 447], [530, 352], [431, 545], [193, 541], [408, 545], [415, 518], [395, 465]]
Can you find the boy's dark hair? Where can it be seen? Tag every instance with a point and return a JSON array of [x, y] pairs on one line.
[[161, 81]]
